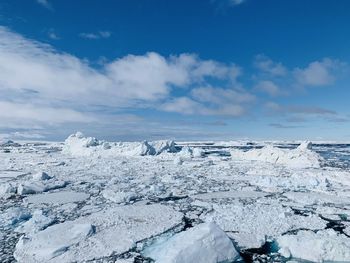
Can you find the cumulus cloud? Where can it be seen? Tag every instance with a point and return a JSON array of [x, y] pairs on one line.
[[41, 85], [318, 73], [98, 35]]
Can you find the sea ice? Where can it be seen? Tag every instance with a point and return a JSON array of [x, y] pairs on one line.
[[259, 222], [37, 222], [205, 243], [112, 231], [323, 246], [63, 197], [34, 187], [41, 176], [301, 157]]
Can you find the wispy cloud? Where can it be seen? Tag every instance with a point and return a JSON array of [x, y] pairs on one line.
[[283, 126], [267, 65], [45, 3], [52, 34], [298, 109], [98, 35], [236, 2], [319, 73], [64, 89]]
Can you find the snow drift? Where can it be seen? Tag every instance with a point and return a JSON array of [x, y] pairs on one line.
[[301, 157]]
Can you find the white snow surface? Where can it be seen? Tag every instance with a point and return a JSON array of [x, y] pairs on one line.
[[205, 243]]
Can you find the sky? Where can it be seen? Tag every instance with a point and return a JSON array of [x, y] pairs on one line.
[[185, 70]]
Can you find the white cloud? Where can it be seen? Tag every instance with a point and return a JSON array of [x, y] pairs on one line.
[[41, 86], [266, 65], [268, 87], [62, 77], [212, 102], [45, 3], [318, 73], [19, 111], [98, 35]]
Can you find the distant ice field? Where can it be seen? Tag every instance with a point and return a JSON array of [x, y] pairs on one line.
[[174, 202]]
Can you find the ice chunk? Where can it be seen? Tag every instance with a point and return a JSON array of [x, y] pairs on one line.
[[7, 190], [205, 243], [117, 196], [30, 188], [305, 146], [260, 222], [198, 152], [51, 242], [163, 146], [78, 145], [13, 216], [41, 176], [39, 187], [185, 153], [63, 197], [322, 246], [37, 222]]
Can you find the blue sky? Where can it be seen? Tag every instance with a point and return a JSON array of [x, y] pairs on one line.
[[147, 69]]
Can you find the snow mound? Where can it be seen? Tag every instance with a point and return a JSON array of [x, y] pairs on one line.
[[79, 145], [205, 243], [323, 246], [301, 157]]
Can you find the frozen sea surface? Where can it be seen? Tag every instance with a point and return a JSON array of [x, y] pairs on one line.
[[86, 200]]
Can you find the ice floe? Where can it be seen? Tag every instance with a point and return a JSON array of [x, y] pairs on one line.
[[205, 243], [322, 246], [113, 230]]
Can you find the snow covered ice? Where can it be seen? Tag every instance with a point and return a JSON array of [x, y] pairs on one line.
[[162, 201]]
